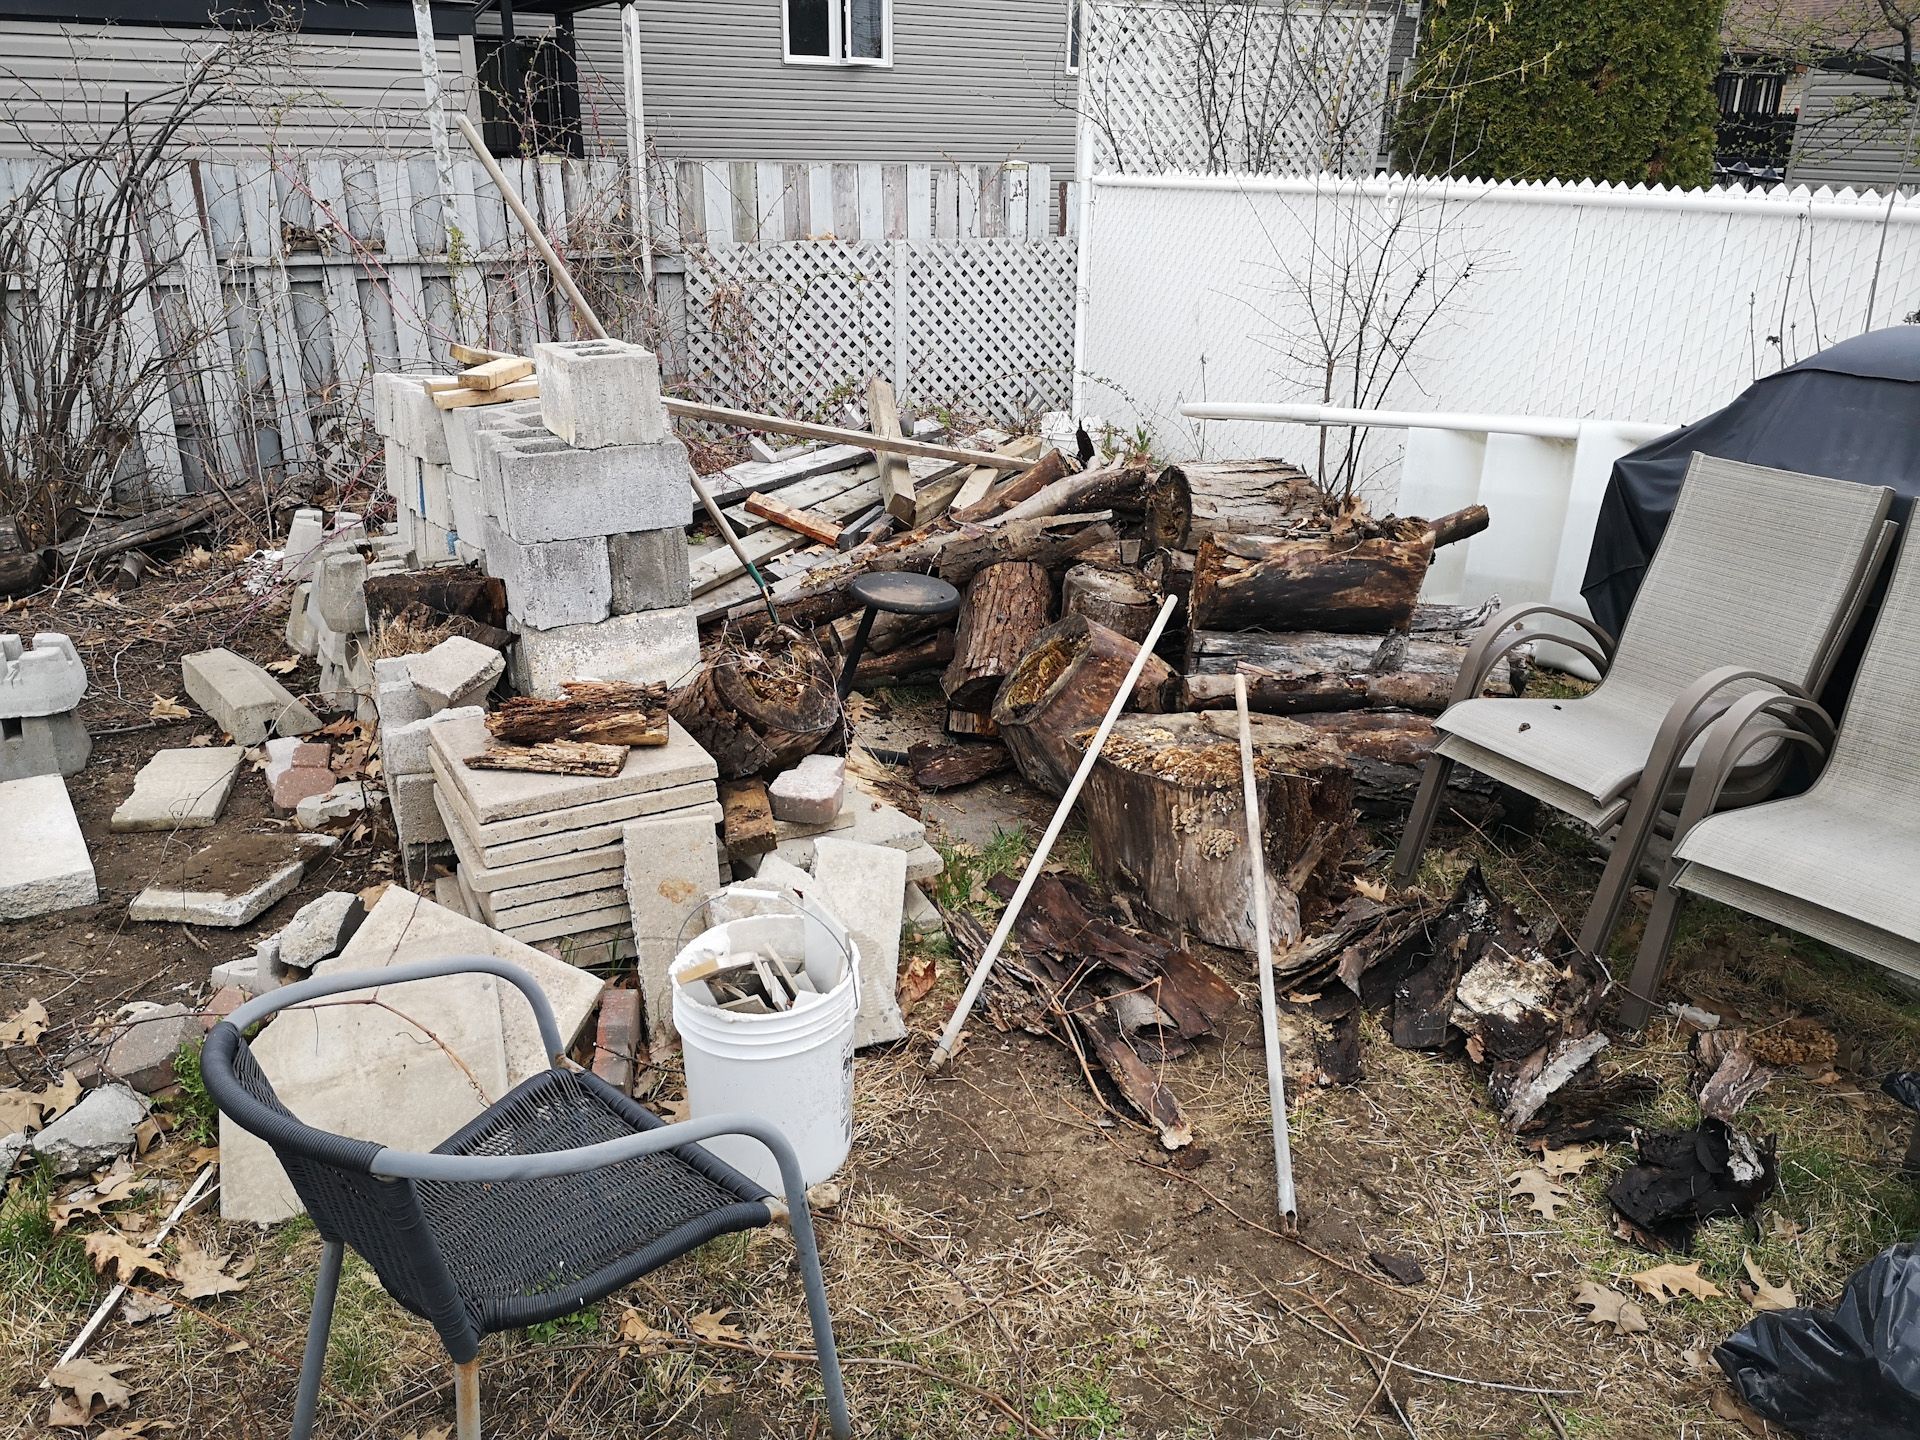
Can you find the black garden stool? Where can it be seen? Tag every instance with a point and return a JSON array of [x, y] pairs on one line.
[[898, 592], [559, 1194]]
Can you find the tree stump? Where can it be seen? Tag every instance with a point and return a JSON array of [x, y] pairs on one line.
[[1338, 582], [1187, 504], [759, 708], [1005, 607], [1167, 823], [1125, 601], [1063, 685]]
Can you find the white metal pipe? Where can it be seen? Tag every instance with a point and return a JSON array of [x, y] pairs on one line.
[[1865, 206], [1083, 221], [1539, 427], [1263, 943]]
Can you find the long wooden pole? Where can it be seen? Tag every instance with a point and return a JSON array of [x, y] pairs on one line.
[[951, 1035], [1263, 942], [777, 425], [564, 278]]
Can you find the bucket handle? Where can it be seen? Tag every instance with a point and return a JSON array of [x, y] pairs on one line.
[[823, 918]]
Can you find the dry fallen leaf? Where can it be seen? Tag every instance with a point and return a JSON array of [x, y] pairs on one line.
[[95, 1389], [58, 1099], [116, 1185], [1539, 1191], [134, 1429], [19, 1111], [204, 1273], [917, 980], [1570, 1160], [282, 667], [712, 1325], [25, 1025], [1729, 1406], [644, 1339], [168, 707], [114, 1254], [1762, 1294], [1610, 1307], [1668, 1282], [198, 558], [1372, 889]]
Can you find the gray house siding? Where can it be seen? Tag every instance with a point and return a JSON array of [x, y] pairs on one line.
[[972, 81], [338, 91], [1839, 142]]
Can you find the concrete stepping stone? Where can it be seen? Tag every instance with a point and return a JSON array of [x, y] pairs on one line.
[[231, 882], [182, 789], [44, 865]]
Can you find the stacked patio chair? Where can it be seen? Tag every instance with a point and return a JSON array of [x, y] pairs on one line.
[[559, 1194], [1758, 580], [1840, 862]]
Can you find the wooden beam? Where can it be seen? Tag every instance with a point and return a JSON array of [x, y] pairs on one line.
[[474, 354], [493, 374], [789, 518], [896, 481], [462, 397], [839, 435]]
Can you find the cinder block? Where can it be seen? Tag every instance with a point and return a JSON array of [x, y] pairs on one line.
[[48, 679], [653, 645], [339, 591], [543, 489], [416, 421], [465, 426], [469, 510], [404, 749], [414, 814], [600, 392], [305, 536], [865, 887], [44, 745], [651, 570], [670, 864], [456, 672], [248, 703], [435, 503], [552, 583]]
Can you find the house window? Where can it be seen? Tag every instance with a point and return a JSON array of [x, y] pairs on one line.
[[839, 32], [1073, 37], [525, 96]]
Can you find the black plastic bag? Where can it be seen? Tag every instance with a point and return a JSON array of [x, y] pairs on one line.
[[1849, 1373]]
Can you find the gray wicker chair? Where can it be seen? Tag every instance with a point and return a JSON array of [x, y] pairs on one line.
[[559, 1194], [1757, 582], [1840, 862]]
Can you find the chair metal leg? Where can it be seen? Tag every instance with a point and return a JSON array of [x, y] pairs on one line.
[[318, 1324], [844, 686], [823, 1347], [1643, 989], [466, 1400], [1616, 881], [1426, 806]]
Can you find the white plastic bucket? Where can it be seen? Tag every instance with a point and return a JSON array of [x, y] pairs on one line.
[[793, 1068]]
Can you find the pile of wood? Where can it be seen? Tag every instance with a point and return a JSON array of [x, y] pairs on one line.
[[587, 731]]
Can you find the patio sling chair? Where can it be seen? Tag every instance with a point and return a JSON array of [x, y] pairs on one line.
[[1758, 580], [1840, 862], [559, 1194]]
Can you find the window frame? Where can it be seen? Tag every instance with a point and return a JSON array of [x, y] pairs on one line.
[[1073, 36], [839, 25]]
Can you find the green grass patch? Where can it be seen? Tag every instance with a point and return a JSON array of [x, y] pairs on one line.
[[193, 1107], [34, 1261], [1081, 1407]]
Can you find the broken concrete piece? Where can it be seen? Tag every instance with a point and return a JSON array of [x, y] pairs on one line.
[[494, 795], [920, 911], [301, 638], [864, 886], [11, 1148], [227, 884], [812, 792], [247, 702], [48, 679], [96, 1132], [600, 392], [320, 928], [348, 798], [397, 700], [183, 789], [44, 865], [456, 672], [404, 748], [872, 822], [339, 591], [649, 646], [146, 1038], [670, 866]]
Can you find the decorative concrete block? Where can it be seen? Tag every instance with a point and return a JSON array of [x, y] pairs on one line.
[[340, 590], [653, 645], [305, 535], [43, 745], [300, 635], [543, 489], [552, 583], [415, 815], [595, 393], [865, 886], [811, 793], [670, 865], [651, 570], [456, 672], [182, 789], [404, 748], [48, 679], [248, 703], [44, 865]]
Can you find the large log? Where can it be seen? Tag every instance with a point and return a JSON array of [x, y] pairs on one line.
[[1187, 504], [1339, 583], [1122, 489], [1062, 686], [1299, 674], [1125, 601], [1167, 823], [1386, 749], [1005, 607], [759, 708], [919, 657]]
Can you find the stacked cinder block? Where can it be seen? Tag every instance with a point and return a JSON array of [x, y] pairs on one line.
[[541, 856], [586, 519], [40, 684], [328, 616], [418, 467]]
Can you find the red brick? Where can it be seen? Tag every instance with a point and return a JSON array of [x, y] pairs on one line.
[[298, 783], [617, 1044], [223, 1004]]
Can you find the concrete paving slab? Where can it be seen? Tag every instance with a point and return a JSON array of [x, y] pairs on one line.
[[671, 863], [533, 933], [183, 789], [865, 887], [229, 883], [553, 907], [44, 865], [560, 832]]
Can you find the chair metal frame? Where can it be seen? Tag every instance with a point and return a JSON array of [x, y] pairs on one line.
[[486, 1170]]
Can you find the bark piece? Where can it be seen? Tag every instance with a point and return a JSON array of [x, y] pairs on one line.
[[1061, 687], [554, 757], [747, 825], [1164, 811], [600, 711], [947, 767], [1188, 504], [1339, 583], [972, 722], [1006, 605]]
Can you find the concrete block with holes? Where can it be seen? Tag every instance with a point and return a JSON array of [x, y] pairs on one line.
[[551, 583], [541, 488], [595, 393]]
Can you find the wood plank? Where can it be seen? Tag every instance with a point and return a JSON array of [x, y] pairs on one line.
[[919, 202], [792, 518], [405, 287], [846, 201], [717, 565], [809, 494], [779, 425], [717, 202], [459, 397], [747, 823], [883, 419], [769, 193], [733, 485], [946, 203], [819, 200], [494, 374], [1039, 201], [873, 212], [474, 354], [260, 214]]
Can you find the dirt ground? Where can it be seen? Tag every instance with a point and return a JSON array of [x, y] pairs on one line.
[[1006, 1258]]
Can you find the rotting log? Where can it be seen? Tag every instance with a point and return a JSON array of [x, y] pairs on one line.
[[1339, 583], [445, 590], [1188, 504], [747, 818], [974, 724], [554, 757], [1125, 601], [1121, 489], [920, 657], [1387, 749], [607, 712], [1031, 481], [1006, 605], [947, 767], [1166, 820], [1063, 685], [759, 707]]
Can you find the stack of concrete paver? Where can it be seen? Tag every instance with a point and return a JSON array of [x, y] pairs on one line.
[[542, 857], [40, 685], [586, 513], [419, 477]]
